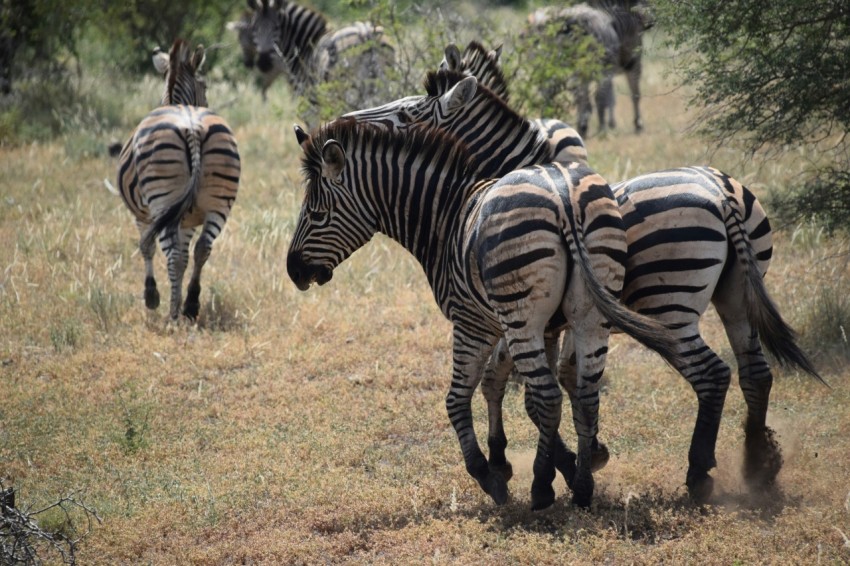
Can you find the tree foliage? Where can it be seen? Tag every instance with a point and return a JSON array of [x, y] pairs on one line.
[[773, 74]]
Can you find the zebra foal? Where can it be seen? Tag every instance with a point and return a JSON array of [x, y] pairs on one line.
[[179, 170], [517, 258], [695, 236]]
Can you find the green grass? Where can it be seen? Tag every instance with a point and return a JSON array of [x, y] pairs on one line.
[[290, 427]]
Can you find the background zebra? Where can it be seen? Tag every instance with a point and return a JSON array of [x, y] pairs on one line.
[[517, 258], [618, 27], [695, 236], [284, 38], [179, 169]]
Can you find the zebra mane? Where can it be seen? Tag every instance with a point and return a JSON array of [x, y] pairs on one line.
[[433, 143], [480, 61]]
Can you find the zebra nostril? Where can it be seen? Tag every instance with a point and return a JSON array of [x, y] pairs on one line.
[[297, 270]]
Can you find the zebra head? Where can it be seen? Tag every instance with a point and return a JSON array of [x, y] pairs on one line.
[[479, 62], [332, 223], [181, 69], [265, 25], [439, 106]]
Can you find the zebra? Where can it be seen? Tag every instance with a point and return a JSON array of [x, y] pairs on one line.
[[483, 64], [517, 257], [284, 38], [617, 26], [179, 169], [695, 236]]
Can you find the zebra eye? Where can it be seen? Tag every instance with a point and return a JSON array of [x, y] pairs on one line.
[[318, 215]]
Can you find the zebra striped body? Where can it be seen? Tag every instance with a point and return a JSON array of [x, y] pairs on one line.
[[680, 259], [476, 61], [294, 41], [179, 170], [520, 257]]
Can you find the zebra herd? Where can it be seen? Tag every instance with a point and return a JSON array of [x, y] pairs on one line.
[[531, 254]]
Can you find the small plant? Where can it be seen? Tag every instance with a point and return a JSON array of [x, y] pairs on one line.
[[134, 420], [36, 537], [66, 335], [107, 307]]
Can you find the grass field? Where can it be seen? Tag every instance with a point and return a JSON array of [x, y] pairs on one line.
[[289, 427]]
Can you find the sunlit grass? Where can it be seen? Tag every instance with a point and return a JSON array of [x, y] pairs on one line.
[[290, 427]]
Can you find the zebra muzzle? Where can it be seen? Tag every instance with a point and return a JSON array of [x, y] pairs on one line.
[[304, 274]]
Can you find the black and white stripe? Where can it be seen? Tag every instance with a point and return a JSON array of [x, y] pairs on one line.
[[483, 64], [517, 258], [691, 233], [288, 39], [179, 170]]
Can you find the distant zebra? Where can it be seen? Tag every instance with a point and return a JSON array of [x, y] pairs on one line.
[[518, 258], [179, 169], [695, 235], [484, 65], [618, 27], [284, 38]]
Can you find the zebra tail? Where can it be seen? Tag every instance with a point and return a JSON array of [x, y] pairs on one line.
[[170, 219], [642, 328], [776, 335]]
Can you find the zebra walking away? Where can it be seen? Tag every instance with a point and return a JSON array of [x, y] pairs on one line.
[[695, 235], [179, 170], [284, 38], [519, 258]]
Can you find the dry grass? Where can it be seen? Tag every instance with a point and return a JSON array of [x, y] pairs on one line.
[[302, 428]]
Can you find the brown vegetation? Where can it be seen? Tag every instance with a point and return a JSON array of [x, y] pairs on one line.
[[290, 427]]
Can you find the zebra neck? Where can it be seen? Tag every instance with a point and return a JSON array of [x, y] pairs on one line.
[[300, 32], [424, 209], [499, 138]]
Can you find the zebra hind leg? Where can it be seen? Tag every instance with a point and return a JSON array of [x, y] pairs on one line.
[[762, 454], [175, 245], [709, 376], [151, 292], [202, 253]]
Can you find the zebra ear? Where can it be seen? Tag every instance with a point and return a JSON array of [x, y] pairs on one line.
[[496, 54], [302, 136], [459, 95], [198, 58], [452, 58], [333, 160], [160, 61]]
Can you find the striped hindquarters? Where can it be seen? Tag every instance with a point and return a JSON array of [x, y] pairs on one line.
[[565, 143], [171, 144]]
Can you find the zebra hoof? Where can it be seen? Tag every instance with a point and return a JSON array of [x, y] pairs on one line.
[[191, 309], [151, 297], [583, 490], [496, 487], [542, 497], [762, 458], [505, 470], [700, 487], [599, 457]]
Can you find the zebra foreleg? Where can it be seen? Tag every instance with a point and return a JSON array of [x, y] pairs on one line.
[[633, 76], [493, 387], [605, 102], [469, 355], [151, 292]]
